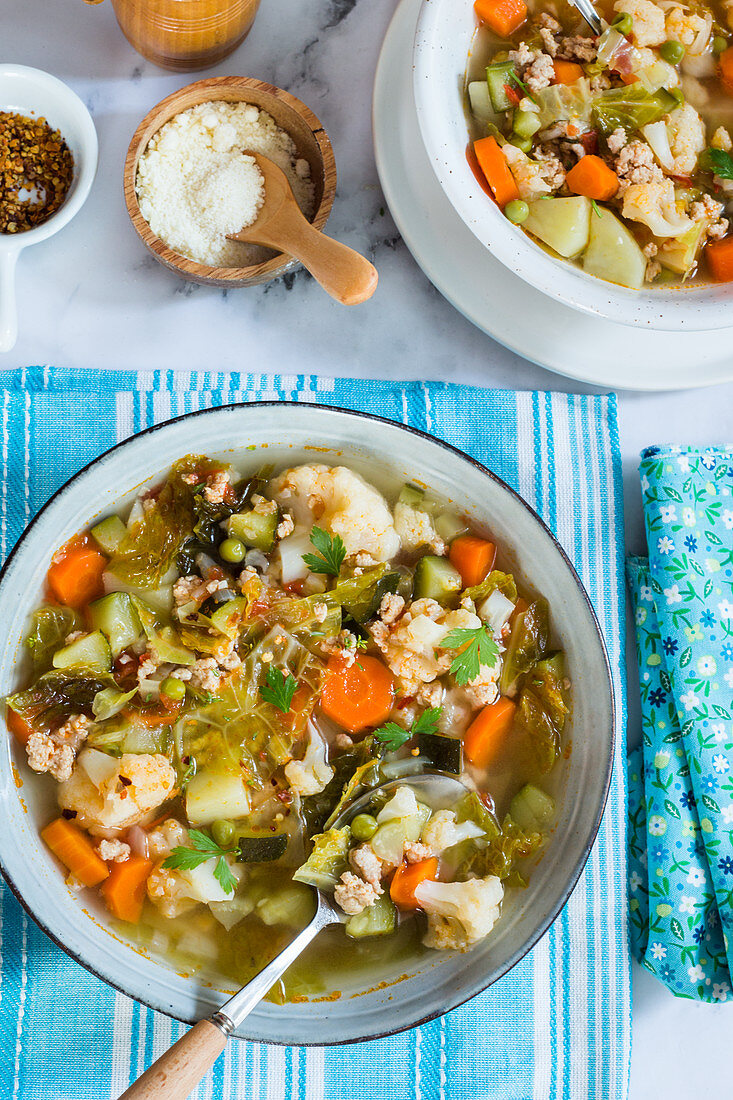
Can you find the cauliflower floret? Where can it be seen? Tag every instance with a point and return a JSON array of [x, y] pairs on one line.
[[689, 29], [343, 503], [721, 140], [653, 204], [365, 862], [527, 173], [169, 891], [459, 913], [311, 774], [168, 835], [410, 645], [687, 138], [649, 28], [134, 785], [443, 831], [353, 894], [416, 529]]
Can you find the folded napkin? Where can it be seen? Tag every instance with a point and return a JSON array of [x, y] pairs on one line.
[[680, 779], [558, 1026]]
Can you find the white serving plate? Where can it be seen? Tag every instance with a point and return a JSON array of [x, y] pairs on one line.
[[520, 317]]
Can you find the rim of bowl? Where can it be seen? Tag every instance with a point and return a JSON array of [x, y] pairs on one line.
[[84, 172], [206, 273], [691, 308], [580, 863]]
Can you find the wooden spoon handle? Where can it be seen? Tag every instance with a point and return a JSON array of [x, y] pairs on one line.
[[178, 1071], [343, 273]]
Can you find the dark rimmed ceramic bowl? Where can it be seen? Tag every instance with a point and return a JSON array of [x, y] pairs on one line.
[[387, 453]]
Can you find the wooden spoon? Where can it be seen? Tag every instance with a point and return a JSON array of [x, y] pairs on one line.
[[280, 224]]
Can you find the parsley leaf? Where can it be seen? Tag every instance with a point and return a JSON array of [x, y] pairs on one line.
[[279, 689], [718, 162], [393, 737], [480, 649], [202, 849], [596, 207], [331, 553]]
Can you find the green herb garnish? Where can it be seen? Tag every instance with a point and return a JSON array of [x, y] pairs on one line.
[[202, 848], [331, 550], [279, 689], [480, 649], [718, 162], [596, 207], [520, 83], [393, 737]]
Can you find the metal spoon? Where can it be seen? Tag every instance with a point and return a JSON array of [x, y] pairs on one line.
[[589, 13], [177, 1072], [281, 224]]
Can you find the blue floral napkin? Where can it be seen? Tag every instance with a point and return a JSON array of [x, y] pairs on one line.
[[681, 778], [558, 1026]]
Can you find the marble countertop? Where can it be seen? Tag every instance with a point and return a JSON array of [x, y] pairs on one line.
[[93, 297]]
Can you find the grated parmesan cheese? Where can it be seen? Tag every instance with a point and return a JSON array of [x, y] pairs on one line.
[[195, 184]]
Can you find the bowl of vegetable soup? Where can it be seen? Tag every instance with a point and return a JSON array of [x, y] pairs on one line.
[[598, 168], [211, 653]]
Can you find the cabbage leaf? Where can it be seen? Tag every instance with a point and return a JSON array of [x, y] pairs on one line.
[[632, 107], [50, 626]]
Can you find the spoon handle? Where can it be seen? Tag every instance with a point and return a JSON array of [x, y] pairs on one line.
[[178, 1071], [343, 273]]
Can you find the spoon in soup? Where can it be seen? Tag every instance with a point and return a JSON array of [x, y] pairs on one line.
[[589, 13], [177, 1072], [281, 224]]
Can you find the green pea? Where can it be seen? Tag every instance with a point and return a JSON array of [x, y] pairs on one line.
[[623, 23], [719, 44], [223, 832], [526, 123], [232, 550], [363, 827], [517, 211], [672, 51], [174, 688], [525, 144]]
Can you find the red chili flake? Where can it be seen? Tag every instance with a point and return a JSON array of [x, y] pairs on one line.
[[68, 814], [589, 141], [125, 781], [285, 797]]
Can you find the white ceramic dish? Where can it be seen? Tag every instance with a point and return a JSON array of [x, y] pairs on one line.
[[388, 453], [531, 324], [443, 38], [35, 93]]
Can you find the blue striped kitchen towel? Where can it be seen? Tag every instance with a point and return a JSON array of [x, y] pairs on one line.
[[558, 1026]]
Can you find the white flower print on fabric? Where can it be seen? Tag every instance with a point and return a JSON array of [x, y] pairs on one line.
[[688, 517], [706, 666], [645, 593], [727, 518], [659, 951], [635, 881], [720, 763], [689, 700], [696, 973], [725, 607], [668, 513], [673, 594], [657, 826], [727, 815], [687, 904], [696, 876], [665, 545], [720, 991]]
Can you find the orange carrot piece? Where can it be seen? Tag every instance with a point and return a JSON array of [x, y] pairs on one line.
[[18, 726], [407, 878], [492, 163], [74, 849], [503, 16], [359, 695], [726, 68], [473, 558], [592, 177], [483, 738], [567, 72], [76, 577], [124, 890], [720, 260]]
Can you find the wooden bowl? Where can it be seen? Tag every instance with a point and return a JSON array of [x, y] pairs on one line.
[[311, 142]]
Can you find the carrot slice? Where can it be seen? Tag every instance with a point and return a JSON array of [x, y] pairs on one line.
[[503, 16], [359, 695], [720, 260], [407, 878], [18, 726], [74, 849], [473, 558], [726, 68], [124, 890], [567, 72], [76, 577], [484, 737], [493, 164], [592, 177]]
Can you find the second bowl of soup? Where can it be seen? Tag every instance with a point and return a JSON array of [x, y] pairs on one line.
[[595, 166]]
